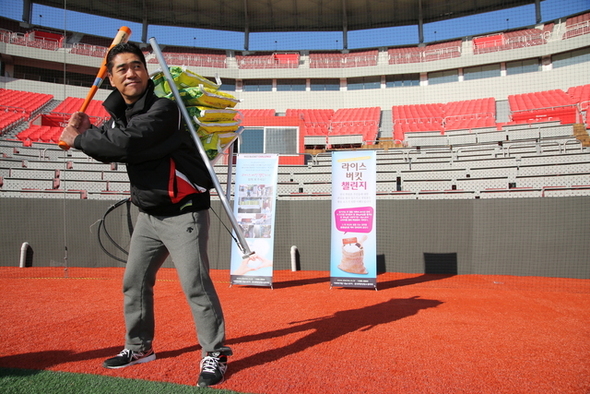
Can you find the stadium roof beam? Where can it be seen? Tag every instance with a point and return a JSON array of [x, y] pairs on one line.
[[27, 9], [246, 26], [283, 16], [344, 26], [420, 23]]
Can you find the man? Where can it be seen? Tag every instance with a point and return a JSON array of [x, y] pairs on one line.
[[170, 186]]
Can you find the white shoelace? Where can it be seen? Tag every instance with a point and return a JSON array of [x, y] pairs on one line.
[[131, 354], [211, 365]]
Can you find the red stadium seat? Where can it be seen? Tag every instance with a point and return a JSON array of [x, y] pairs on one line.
[[531, 107]]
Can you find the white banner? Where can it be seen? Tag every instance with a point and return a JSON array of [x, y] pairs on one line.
[[354, 242], [254, 209]]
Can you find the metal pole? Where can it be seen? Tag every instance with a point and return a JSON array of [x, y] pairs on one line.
[[230, 166], [242, 244]]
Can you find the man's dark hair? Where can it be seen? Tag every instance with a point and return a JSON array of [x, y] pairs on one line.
[[126, 47]]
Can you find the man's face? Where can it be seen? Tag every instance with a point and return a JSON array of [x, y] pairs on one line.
[[129, 76]]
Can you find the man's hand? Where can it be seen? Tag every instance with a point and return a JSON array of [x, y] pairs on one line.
[[79, 122]]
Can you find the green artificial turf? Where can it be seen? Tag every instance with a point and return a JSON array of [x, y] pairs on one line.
[[25, 381]]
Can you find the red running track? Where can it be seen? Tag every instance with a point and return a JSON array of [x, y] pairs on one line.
[[416, 334]]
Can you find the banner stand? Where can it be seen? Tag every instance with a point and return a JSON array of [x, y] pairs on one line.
[[353, 261], [255, 194]]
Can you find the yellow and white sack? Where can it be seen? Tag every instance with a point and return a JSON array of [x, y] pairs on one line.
[[208, 114], [183, 78], [202, 96], [217, 127]]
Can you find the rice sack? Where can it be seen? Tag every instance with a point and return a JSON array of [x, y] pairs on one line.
[[211, 111], [183, 78], [202, 96], [216, 127], [211, 145], [226, 137], [208, 114]]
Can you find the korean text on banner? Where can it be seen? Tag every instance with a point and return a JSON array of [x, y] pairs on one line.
[[354, 242], [254, 209]]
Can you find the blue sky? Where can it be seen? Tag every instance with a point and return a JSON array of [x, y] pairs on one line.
[[402, 35]]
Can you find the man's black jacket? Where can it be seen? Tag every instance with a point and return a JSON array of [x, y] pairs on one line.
[[166, 172]]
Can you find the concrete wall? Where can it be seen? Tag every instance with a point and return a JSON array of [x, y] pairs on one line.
[[523, 237]]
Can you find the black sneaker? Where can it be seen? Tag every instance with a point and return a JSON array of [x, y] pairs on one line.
[[213, 367], [129, 357]]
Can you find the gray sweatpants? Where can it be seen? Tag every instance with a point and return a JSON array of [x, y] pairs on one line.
[[184, 238]]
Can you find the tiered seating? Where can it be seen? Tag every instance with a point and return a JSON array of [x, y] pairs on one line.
[[577, 26], [416, 117], [353, 121], [363, 123], [548, 30], [404, 55], [469, 123], [457, 115], [444, 50], [44, 128], [325, 60], [581, 95], [26, 134], [10, 119], [73, 104], [343, 60], [193, 59], [34, 39], [247, 113], [47, 40], [360, 59], [208, 60], [485, 44], [470, 114], [524, 38], [89, 50], [286, 60], [68, 106], [511, 40], [27, 102], [273, 60], [17, 107], [316, 121], [48, 127], [91, 46], [543, 106], [41, 133], [255, 61]]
